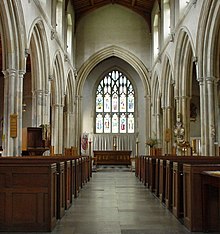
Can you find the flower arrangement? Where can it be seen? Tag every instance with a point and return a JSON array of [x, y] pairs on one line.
[[151, 142]]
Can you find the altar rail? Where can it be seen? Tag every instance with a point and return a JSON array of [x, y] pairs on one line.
[[176, 181]]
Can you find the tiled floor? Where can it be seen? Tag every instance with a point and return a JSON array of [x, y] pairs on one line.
[[115, 202]]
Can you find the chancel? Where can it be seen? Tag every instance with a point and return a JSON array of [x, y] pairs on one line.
[[110, 116]]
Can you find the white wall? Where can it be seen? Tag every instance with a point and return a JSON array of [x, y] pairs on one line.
[[113, 25]]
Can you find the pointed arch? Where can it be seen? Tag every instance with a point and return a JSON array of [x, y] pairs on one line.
[[167, 82], [183, 60], [208, 69], [14, 38], [58, 82], [208, 42], [39, 52], [156, 92], [113, 51]]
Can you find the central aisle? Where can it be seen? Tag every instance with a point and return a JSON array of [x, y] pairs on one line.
[[116, 202]]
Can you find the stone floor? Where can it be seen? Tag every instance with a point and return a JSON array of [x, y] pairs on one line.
[[115, 202]]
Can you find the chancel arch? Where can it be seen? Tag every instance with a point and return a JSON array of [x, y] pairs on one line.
[[137, 68]]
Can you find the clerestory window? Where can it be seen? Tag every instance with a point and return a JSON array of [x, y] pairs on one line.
[[115, 104]]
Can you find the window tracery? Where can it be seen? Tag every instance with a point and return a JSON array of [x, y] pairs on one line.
[[115, 104]]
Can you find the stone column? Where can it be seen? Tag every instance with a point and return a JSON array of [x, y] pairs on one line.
[[211, 115], [19, 99], [78, 121], [46, 107], [72, 129], [163, 143], [148, 121], [37, 106], [185, 101], [57, 128], [169, 129], [13, 92], [203, 111], [60, 129]]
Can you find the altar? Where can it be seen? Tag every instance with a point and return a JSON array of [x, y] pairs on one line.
[[112, 157]]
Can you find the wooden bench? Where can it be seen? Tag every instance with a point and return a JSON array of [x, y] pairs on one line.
[[70, 173], [27, 196]]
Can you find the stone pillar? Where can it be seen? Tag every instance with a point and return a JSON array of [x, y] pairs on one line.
[[148, 121], [37, 107], [169, 129], [78, 121], [13, 93], [19, 108], [163, 143], [211, 114], [203, 111], [60, 130], [46, 107], [185, 101], [40, 107], [57, 128]]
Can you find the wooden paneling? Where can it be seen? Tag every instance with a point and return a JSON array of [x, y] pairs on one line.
[[193, 194], [27, 197]]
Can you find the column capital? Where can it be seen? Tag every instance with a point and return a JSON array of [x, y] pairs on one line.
[[51, 78], [210, 79], [185, 97], [58, 105], [21, 73], [200, 80], [9, 72]]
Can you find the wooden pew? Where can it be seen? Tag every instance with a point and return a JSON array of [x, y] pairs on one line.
[[193, 210], [68, 178], [27, 195], [211, 201]]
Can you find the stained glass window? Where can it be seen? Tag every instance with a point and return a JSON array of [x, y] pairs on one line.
[[115, 104]]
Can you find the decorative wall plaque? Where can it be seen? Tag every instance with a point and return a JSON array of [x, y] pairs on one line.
[[13, 125]]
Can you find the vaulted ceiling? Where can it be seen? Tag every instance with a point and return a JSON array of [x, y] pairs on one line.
[[142, 7]]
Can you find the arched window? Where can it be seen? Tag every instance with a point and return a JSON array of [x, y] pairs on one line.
[[69, 33], [156, 35], [115, 104], [166, 18]]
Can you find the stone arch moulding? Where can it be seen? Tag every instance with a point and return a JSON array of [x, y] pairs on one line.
[[183, 58], [13, 40], [155, 92], [13, 66], [58, 71], [70, 90], [38, 44], [108, 52], [208, 38], [167, 76]]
